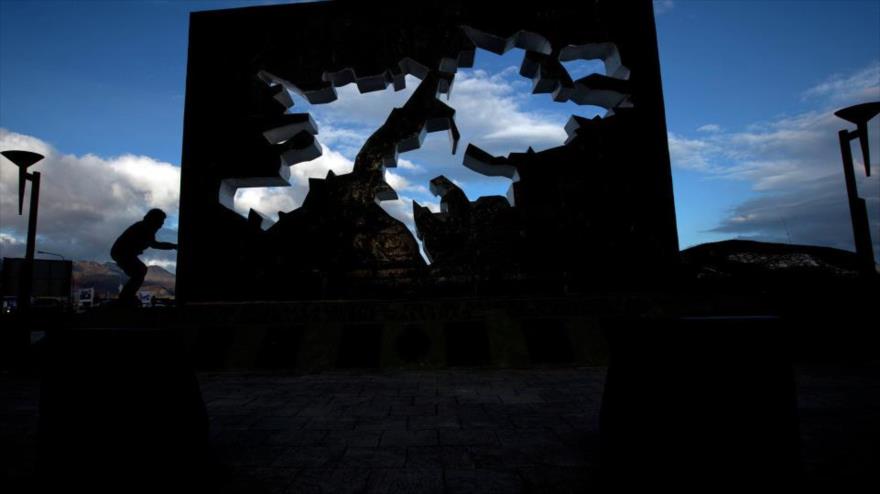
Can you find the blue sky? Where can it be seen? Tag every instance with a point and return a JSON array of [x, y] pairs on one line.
[[749, 90]]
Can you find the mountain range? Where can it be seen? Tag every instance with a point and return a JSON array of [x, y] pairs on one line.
[[106, 278]]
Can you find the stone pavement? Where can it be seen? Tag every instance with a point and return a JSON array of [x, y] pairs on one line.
[[418, 431], [457, 430]]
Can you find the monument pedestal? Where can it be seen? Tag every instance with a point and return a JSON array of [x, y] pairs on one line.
[[120, 411], [703, 403]]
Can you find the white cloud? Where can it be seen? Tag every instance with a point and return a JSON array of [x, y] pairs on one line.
[[331, 135], [710, 128], [85, 201], [490, 112], [663, 6], [397, 182], [779, 153], [356, 111], [691, 154], [406, 164], [8, 242], [266, 200], [862, 85], [491, 109], [166, 264], [270, 200]]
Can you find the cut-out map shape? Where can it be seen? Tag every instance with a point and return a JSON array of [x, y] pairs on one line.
[[594, 211]]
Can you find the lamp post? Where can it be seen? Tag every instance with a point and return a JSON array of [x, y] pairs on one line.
[[51, 254], [859, 115], [24, 159]]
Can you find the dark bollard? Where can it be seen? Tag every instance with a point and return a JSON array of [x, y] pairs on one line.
[[120, 410], [704, 403]]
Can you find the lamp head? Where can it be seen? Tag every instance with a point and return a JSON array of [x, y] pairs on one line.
[[860, 115], [22, 159]]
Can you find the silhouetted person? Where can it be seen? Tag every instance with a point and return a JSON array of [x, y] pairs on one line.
[[132, 243]]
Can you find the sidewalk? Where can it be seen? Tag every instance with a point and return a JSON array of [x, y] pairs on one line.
[[460, 430], [433, 431]]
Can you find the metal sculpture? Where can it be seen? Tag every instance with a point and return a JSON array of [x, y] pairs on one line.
[[556, 227]]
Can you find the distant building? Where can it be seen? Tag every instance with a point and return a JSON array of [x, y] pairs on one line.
[[52, 280], [85, 298]]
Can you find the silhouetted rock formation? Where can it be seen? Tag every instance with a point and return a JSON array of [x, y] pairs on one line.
[[469, 239], [340, 232]]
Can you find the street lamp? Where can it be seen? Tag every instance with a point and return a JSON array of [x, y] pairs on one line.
[[51, 254], [24, 159], [859, 115]]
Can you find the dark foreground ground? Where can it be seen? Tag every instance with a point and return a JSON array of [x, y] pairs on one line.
[[502, 431]]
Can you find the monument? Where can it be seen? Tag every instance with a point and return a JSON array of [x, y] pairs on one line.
[[592, 213]]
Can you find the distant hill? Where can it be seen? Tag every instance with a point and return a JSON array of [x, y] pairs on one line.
[[746, 259], [106, 277]]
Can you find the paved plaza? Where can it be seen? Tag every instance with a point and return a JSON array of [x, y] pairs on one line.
[[451, 431]]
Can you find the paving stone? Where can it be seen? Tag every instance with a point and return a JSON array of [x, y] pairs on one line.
[[409, 438], [266, 480], [381, 424], [275, 422], [309, 456], [369, 410], [533, 421], [434, 422], [455, 408], [435, 400], [392, 457], [467, 437], [413, 410], [439, 457], [406, 480], [519, 398], [351, 399], [397, 401], [353, 438], [562, 480], [331, 423], [297, 437], [329, 481], [483, 481], [499, 457], [528, 438], [320, 411], [248, 455], [478, 398]]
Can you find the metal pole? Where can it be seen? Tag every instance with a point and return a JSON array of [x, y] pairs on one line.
[[857, 208], [26, 280]]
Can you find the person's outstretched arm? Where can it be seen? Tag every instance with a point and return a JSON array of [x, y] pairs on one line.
[[163, 245]]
